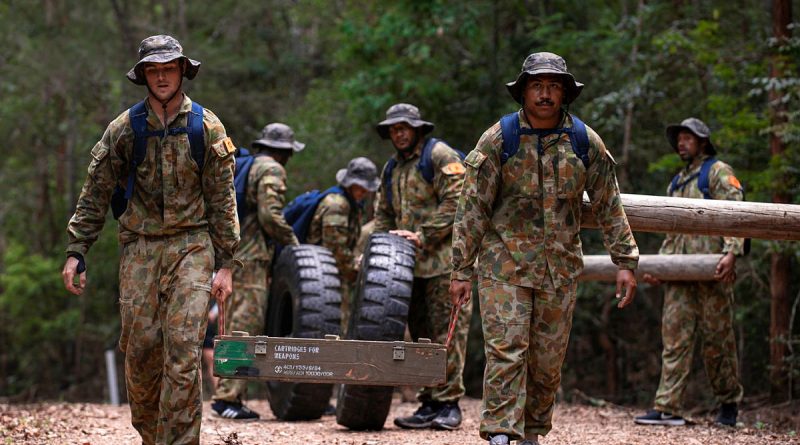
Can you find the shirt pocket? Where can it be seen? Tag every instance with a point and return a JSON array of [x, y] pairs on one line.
[[571, 173], [99, 153]]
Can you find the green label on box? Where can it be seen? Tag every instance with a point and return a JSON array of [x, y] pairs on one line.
[[230, 355]]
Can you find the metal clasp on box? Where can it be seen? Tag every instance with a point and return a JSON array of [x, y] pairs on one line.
[[399, 352], [260, 348]]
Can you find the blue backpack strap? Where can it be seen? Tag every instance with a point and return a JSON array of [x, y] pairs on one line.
[[300, 211], [194, 124], [425, 164], [580, 140], [509, 126], [244, 161], [674, 184], [137, 115], [702, 180], [387, 179]]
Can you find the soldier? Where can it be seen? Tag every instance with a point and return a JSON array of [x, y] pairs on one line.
[[261, 228], [421, 210], [336, 223], [519, 214], [698, 309], [178, 226]]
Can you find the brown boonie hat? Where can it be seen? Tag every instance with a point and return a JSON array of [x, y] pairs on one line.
[[278, 135], [160, 49], [545, 63], [403, 113], [694, 126], [359, 171]]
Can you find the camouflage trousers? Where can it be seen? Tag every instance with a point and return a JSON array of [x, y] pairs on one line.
[[526, 332], [692, 310], [429, 317], [245, 310], [165, 295]]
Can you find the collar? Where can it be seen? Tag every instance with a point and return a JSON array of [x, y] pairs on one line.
[[565, 122], [696, 163], [152, 117], [414, 154]]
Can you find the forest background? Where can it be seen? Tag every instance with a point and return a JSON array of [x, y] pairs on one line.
[[330, 68]]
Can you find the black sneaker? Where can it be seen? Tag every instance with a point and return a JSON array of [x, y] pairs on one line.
[[422, 417], [656, 417], [234, 411], [449, 417], [727, 414], [498, 439]]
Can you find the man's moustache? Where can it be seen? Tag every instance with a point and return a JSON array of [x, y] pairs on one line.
[[544, 102]]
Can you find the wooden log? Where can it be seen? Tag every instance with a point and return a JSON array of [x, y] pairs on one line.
[[706, 217], [699, 267]]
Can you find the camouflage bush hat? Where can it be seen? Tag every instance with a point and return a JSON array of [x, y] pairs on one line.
[[278, 135], [694, 126], [359, 171], [160, 49], [545, 63], [403, 113]]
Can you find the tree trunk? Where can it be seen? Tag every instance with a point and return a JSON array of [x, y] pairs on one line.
[[628, 128], [706, 217], [696, 267], [780, 263]]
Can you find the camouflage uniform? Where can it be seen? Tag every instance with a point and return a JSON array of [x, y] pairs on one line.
[[703, 309], [428, 210], [262, 227], [521, 221], [179, 226]]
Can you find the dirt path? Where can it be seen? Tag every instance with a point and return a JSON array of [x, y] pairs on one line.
[[94, 424]]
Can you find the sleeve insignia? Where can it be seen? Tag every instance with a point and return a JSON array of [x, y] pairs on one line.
[[229, 147], [453, 168], [734, 182]]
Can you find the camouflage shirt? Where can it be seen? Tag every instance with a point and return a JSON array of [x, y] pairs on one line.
[[266, 197], [427, 209], [722, 184], [337, 225], [522, 219], [170, 195]]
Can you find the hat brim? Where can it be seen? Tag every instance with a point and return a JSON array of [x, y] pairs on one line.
[[295, 146], [136, 75], [675, 129], [573, 88], [344, 181], [383, 126]]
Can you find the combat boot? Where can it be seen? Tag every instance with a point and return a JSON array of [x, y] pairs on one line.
[[498, 439], [422, 417], [449, 417], [727, 414]]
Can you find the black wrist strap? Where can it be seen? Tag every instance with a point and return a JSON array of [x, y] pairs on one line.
[[81, 263]]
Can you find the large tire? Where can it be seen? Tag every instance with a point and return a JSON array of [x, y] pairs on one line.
[[304, 302], [380, 313]]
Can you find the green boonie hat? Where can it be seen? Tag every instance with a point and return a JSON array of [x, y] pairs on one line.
[[694, 126], [278, 135], [403, 113], [545, 63], [160, 49], [359, 171]]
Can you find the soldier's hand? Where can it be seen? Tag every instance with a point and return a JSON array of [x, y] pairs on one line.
[[726, 269], [409, 235], [222, 286], [651, 280], [460, 291], [68, 274], [626, 279]]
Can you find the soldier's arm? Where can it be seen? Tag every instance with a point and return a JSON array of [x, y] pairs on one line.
[[271, 200], [219, 193], [384, 213], [448, 178], [601, 184], [725, 185], [109, 158], [335, 215], [474, 211]]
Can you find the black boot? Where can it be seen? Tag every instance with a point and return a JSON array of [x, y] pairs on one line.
[[449, 417], [727, 414], [422, 417]]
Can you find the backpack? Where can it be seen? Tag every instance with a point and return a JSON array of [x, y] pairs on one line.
[[704, 186], [138, 118], [244, 161], [578, 137], [300, 211], [425, 167]]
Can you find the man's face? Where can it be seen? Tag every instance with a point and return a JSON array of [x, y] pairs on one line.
[[403, 136], [164, 79], [543, 96], [689, 145], [357, 192], [281, 156]]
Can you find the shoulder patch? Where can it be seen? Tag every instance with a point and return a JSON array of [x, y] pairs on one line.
[[734, 182], [224, 147], [453, 168], [475, 158], [229, 145]]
